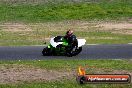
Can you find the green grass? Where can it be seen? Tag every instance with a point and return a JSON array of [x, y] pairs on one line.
[[64, 84], [102, 10], [61, 64], [38, 38]]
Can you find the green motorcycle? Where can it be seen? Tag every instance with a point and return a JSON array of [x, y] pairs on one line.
[[60, 46]]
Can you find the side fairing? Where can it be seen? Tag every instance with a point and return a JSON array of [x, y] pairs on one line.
[[54, 44], [81, 42]]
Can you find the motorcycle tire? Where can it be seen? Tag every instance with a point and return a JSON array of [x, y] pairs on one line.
[[46, 51], [69, 54], [77, 51]]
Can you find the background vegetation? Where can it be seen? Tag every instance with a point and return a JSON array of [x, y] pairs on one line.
[[56, 10]]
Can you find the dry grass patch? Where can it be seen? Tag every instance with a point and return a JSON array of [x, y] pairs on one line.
[[118, 28], [20, 73], [63, 26], [15, 27]]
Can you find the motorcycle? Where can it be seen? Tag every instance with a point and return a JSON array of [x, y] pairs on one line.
[[60, 46]]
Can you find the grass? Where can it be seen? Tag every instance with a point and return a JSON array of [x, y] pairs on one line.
[[39, 37], [61, 64], [64, 84], [102, 10], [53, 11]]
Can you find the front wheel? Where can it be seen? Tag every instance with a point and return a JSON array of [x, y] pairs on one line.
[[75, 51]]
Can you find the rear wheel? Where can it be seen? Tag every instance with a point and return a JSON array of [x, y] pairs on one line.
[[46, 51]]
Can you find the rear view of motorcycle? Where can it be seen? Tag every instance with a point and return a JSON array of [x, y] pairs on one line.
[[60, 46]]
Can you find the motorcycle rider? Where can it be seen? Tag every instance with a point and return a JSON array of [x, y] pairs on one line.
[[72, 41]]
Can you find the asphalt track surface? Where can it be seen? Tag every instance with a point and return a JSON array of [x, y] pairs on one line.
[[88, 52]]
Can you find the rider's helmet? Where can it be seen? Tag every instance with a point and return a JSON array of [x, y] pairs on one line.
[[69, 32]]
